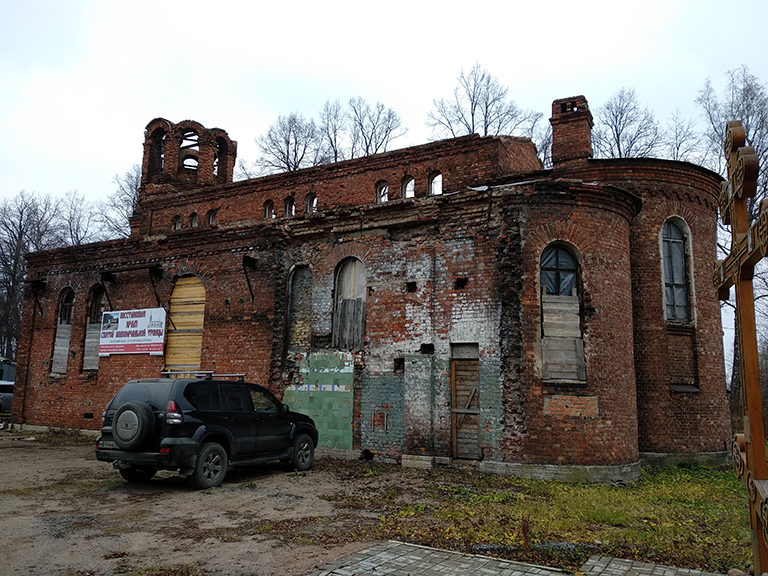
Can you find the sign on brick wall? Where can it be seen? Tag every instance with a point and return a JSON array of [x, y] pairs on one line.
[[132, 332]]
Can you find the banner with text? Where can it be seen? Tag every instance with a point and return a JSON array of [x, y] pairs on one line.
[[132, 332]]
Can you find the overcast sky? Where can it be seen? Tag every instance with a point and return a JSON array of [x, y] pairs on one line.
[[80, 79]]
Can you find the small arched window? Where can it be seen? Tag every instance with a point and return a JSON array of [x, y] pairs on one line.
[[310, 203], [436, 184], [269, 210], [408, 189], [289, 206], [176, 224], [382, 192], [211, 217], [676, 284], [193, 220]]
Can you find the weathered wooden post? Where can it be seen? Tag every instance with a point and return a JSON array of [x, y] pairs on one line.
[[748, 245]]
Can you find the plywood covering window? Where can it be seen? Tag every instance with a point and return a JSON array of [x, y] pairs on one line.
[[185, 325], [63, 332], [562, 346], [349, 310]]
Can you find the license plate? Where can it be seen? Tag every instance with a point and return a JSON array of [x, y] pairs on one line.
[[107, 444]]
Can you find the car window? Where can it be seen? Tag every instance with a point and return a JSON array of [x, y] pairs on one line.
[[236, 398], [263, 402], [203, 395], [6, 388]]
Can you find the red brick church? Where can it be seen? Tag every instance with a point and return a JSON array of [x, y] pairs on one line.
[[453, 300]]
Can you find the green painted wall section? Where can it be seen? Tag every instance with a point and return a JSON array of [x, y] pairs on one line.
[[323, 390]]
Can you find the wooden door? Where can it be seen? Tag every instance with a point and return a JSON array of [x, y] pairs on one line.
[[465, 410], [185, 326]]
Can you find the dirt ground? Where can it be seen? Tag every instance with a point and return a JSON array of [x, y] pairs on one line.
[[63, 513]]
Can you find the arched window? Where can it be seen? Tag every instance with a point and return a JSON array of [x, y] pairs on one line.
[[269, 209], [310, 203], [193, 220], [382, 191], [436, 184], [562, 345], [558, 271], [349, 310], [676, 284], [176, 224], [211, 217], [156, 152], [289, 206], [96, 306], [300, 308], [408, 188], [63, 332]]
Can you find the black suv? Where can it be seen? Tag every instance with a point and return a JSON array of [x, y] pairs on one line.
[[200, 426]]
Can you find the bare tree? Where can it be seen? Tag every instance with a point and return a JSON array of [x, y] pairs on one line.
[[682, 141], [372, 129], [290, 144], [479, 105], [27, 224], [333, 129], [76, 219], [624, 129], [113, 216]]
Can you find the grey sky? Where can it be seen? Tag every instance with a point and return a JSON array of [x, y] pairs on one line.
[[79, 80]]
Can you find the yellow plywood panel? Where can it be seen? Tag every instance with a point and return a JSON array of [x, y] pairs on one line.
[[185, 325]]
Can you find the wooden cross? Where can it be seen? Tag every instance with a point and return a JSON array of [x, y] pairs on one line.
[[749, 244]]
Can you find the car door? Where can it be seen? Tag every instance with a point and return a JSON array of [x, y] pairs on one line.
[[273, 430], [239, 417]]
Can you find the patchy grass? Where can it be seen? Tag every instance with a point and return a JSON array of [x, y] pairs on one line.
[[687, 517]]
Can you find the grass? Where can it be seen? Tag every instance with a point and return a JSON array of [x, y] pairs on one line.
[[686, 517]]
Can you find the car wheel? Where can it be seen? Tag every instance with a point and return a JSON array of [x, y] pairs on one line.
[[210, 467], [303, 453], [133, 423], [138, 475]]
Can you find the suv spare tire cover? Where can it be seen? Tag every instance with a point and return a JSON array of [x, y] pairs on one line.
[[133, 423]]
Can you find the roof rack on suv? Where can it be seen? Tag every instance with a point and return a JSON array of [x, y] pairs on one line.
[[206, 374]]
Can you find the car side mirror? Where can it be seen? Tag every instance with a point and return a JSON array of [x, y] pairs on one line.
[[285, 409]]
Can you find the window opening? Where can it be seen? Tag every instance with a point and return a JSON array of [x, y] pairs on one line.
[[436, 185], [269, 209], [176, 223], [558, 271], [349, 312], [461, 283], [63, 333], [193, 220], [675, 273], [289, 206], [382, 192], [310, 204], [211, 217], [409, 187], [562, 345], [411, 286]]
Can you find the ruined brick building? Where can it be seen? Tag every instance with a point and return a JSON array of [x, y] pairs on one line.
[[449, 300]]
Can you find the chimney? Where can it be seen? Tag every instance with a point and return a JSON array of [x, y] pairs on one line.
[[571, 130]]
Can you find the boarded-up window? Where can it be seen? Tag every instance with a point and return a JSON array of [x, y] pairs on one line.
[[675, 274], [96, 306], [349, 311], [562, 346], [300, 309], [63, 332], [185, 325]]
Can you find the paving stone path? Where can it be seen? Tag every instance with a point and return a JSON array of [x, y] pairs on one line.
[[399, 559]]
